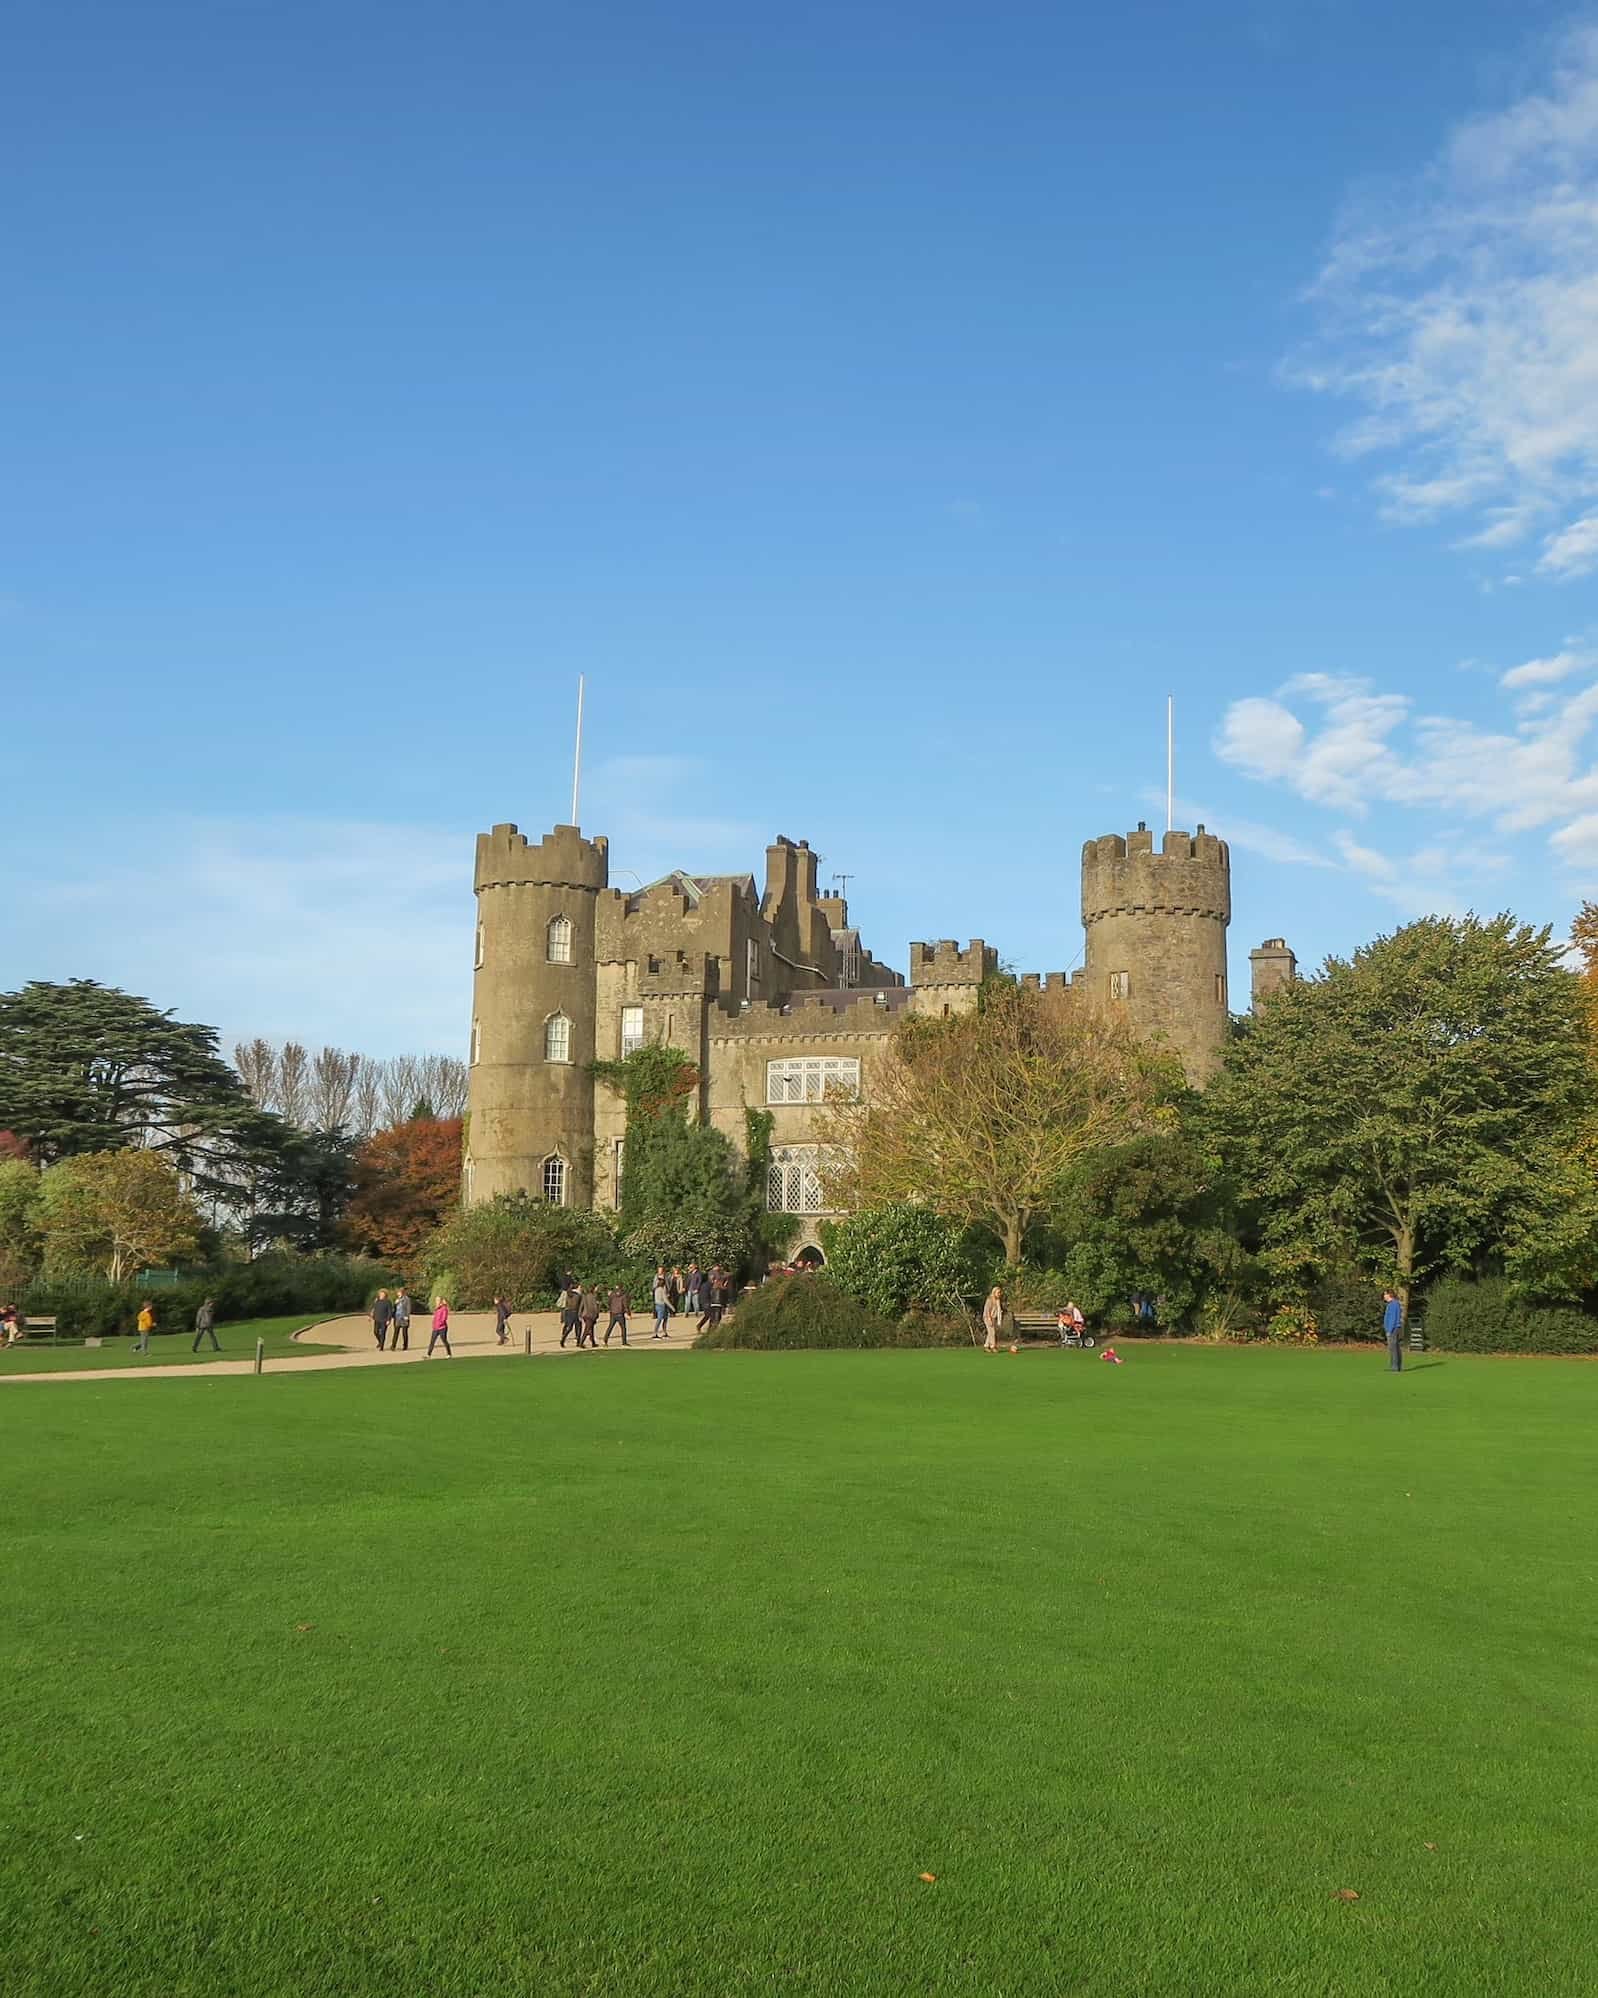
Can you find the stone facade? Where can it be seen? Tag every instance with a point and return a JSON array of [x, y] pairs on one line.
[[1156, 923], [773, 994]]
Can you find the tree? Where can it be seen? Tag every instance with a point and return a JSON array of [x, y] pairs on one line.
[[86, 1068], [1414, 1109], [898, 1258], [256, 1062], [330, 1089], [402, 1086], [117, 1212], [682, 1194], [366, 1106], [21, 1240], [302, 1196], [1152, 1215], [407, 1179], [293, 1083], [980, 1116]]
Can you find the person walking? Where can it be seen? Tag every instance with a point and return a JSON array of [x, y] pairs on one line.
[[588, 1317], [441, 1329], [692, 1283], [382, 1316], [205, 1326], [707, 1296], [993, 1318], [1393, 1328], [662, 1302], [400, 1334], [146, 1326], [502, 1320], [618, 1313], [571, 1304], [674, 1289]]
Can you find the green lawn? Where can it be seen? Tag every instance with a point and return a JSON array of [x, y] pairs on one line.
[[672, 1678], [36, 1355]]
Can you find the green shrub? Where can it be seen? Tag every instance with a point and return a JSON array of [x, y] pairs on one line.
[[1488, 1317], [273, 1286], [793, 1313], [1346, 1307], [899, 1257], [521, 1249]]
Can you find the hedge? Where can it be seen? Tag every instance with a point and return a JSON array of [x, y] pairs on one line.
[[273, 1286], [1487, 1317], [807, 1313]]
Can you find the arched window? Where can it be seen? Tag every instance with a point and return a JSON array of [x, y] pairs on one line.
[[555, 1181], [557, 1038], [559, 949]]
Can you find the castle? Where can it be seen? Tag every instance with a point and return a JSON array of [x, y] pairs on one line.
[[773, 995]]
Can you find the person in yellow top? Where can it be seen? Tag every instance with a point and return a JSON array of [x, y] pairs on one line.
[[146, 1326]]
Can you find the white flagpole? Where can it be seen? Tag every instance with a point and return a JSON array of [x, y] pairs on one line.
[[1170, 761], [577, 758]]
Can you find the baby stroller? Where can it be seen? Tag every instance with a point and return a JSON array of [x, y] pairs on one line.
[[1074, 1333]]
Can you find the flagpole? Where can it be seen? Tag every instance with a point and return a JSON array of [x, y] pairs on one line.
[[577, 757], [1170, 761]]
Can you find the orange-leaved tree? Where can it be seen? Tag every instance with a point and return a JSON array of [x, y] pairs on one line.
[[407, 1180]]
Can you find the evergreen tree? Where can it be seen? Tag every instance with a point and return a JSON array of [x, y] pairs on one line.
[[86, 1068]]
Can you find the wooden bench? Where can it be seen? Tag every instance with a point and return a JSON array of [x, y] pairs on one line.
[[1043, 1325]]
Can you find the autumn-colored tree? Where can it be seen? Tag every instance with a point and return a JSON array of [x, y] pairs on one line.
[[407, 1180], [116, 1212], [981, 1116]]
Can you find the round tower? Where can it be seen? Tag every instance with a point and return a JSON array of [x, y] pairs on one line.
[[1156, 938], [530, 1098]]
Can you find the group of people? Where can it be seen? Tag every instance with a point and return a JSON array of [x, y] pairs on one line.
[[699, 1294], [391, 1323]]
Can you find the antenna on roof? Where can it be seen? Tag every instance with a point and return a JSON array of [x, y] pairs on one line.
[[843, 881], [577, 758], [1170, 761]]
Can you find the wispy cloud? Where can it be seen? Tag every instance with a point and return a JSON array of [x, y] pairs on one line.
[[1459, 313], [1337, 742]]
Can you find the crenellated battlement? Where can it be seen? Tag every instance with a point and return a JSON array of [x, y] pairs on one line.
[[676, 973], [1189, 874], [1046, 981], [850, 1012], [561, 859], [945, 963]]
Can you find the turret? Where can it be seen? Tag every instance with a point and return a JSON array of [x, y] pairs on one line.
[[1271, 967], [531, 1096], [1156, 938], [945, 979]]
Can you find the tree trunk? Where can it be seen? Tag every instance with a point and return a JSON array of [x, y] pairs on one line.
[[1404, 1243], [1011, 1227]]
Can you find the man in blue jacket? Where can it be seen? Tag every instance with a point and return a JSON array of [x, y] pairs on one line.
[[1393, 1326]]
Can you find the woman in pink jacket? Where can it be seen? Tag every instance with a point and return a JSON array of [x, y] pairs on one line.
[[441, 1329]]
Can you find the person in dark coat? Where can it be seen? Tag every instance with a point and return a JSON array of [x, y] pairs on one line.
[[205, 1326], [382, 1317], [618, 1314], [502, 1320], [401, 1332], [571, 1305], [588, 1314]]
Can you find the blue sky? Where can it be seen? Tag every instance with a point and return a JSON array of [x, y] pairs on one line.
[[885, 406]]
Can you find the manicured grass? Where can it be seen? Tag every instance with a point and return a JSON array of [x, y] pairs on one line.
[[597, 1677], [35, 1355]]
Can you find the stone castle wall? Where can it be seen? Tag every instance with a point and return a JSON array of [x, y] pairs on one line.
[[737, 979]]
